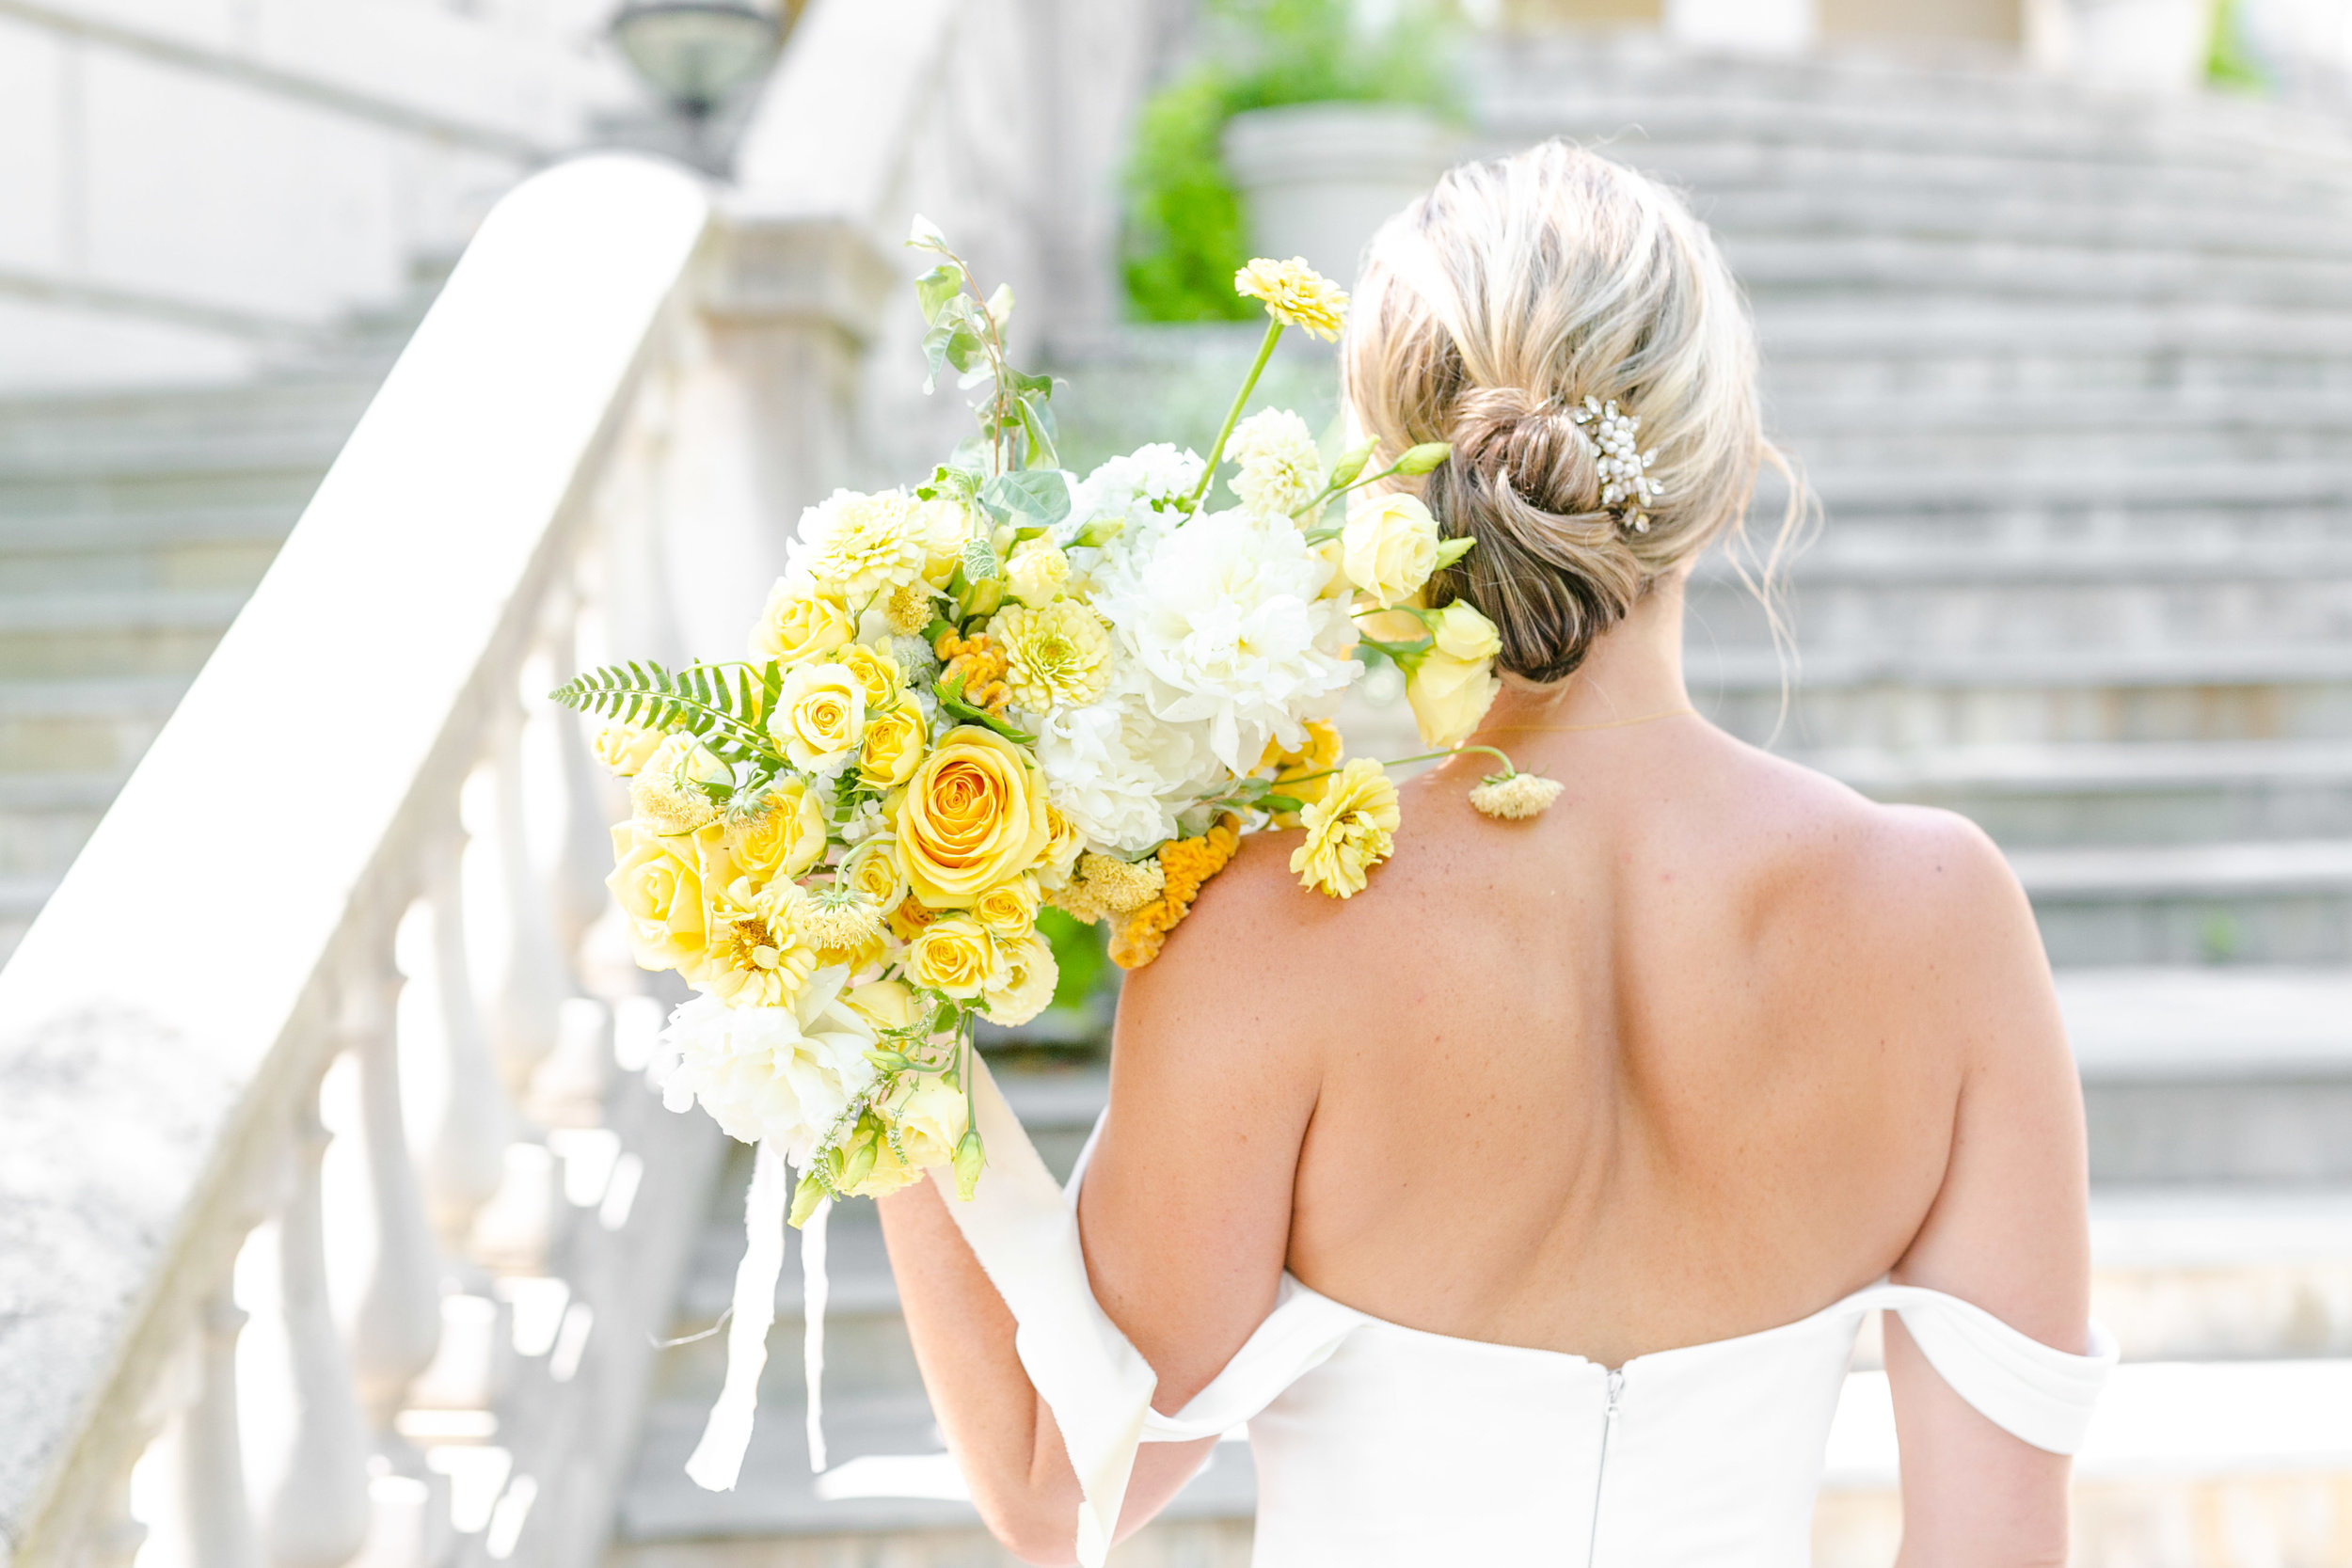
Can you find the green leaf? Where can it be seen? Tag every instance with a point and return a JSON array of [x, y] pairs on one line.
[[1041, 495], [926, 235], [935, 288], [979, 561], [1037, 419], [1282, 804]]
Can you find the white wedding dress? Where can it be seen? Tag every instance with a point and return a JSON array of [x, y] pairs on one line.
[[1383, 1446]]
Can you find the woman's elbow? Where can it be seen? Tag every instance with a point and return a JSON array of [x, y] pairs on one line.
[[1039, 1530]]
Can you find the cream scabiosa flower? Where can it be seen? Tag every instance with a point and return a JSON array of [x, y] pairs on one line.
[[1281, 470], [1225, 617], [784, 1073]]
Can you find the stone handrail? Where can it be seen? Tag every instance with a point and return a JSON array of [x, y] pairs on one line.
[[210, 1009]]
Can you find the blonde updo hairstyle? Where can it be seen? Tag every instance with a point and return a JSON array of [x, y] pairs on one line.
[[1488, 312]]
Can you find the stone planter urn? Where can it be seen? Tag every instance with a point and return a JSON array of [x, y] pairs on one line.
[[1317, 179]]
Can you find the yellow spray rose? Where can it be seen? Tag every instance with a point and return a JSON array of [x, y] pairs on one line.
[[887, 1004], [1451, 696], [820, 716], [782, 835], [943, 525], [877, 672], [801, 623], [1008, 910], [1063, 845], [1348, 831], [1038, 572], [955, 955], [1026, 986], [656, 879], [893, 749], [625, 747], [1388, 547], [972, 816], [872, 870]]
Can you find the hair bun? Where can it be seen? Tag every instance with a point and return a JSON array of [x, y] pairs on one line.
[[1530, 445]]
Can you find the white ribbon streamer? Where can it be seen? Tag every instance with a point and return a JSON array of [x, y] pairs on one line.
[[812, 1292], [1024, 1232], [718, 1459]]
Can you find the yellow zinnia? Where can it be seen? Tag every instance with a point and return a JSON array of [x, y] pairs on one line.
[[1295, 295], [1348, 831]]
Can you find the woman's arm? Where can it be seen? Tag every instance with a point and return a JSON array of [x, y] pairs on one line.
[[2009, 1229], [1185, 1214]]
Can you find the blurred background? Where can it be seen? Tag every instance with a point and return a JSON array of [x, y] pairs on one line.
[[337, 1224]]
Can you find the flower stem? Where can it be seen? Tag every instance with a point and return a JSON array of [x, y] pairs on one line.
[[1508, 767], [1233, 417]]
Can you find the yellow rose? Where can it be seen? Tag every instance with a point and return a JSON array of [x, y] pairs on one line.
[[1462, 633], [1008, 910], [656, 879], [972, 816], [821, 715], [1450, 697], [887, 1004], [894, 748], [783, 834], [872, 871], [625, 747], [1348, 831], [1063, 845], [954, 956], [801, 623], [1038, 572], [1388, 547], [1026, 988], [877, 672], [925, 1126]]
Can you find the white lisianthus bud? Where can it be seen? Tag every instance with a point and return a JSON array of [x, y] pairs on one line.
[[1388, 547]]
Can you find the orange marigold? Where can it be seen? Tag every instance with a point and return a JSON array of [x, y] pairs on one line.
[[1187, 863]]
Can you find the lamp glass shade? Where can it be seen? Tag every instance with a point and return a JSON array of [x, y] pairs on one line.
[[695, 52]]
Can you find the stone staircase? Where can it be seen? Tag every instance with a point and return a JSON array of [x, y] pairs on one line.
[[2073, 376], [133, 526]]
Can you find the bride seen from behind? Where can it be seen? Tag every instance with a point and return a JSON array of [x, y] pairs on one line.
[[1591, 1132]]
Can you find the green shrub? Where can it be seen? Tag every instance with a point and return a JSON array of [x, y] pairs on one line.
[[1187, 234]]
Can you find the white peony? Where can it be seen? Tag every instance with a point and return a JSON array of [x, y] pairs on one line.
[[1119, 772], [1280, 468], [1224, 616], [784, 1074]]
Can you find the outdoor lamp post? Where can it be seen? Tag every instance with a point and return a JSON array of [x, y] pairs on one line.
[[696, 52]]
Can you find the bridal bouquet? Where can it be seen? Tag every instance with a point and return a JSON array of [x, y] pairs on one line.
[[1004, 686]]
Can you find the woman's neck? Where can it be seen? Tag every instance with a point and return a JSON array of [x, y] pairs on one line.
[[1633, 671]]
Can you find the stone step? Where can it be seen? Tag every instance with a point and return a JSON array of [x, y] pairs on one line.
[[2022, 602], [1916, 698], [226, 548], [2128, 221], [2030, 797], [82, 726], [126, 632], [2285, 901], [45, 818], [198, 428], [1907, 266], [2215, 1074], [2223, 1274]]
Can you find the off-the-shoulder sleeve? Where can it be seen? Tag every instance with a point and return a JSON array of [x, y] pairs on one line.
[[2033, 1392]]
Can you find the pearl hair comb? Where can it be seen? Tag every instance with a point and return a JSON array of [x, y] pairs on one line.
[[1627, 488]]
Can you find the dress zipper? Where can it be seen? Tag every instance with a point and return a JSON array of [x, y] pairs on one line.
[[1600, 1471]]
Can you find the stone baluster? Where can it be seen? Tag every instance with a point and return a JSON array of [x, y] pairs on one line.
[[468, 1159], [218, 1519], [319, 1518], [579, 896], [537, 980], [398, 1325]]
